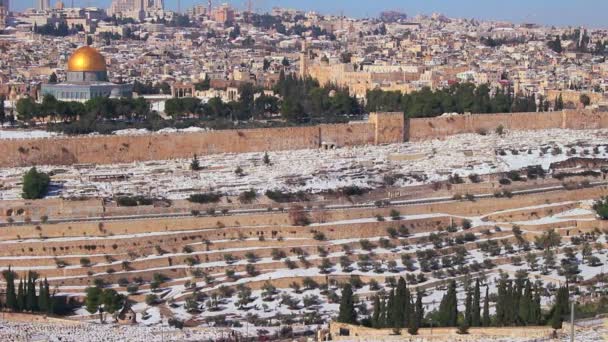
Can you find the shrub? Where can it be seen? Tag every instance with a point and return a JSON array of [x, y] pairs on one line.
[[500, 130], [283, 197], [366, 245], [132, 288], [352, 190], [152, 299], [85, 262], [210, 197], [298, 216], [248, 196], [474, 178], [392, 232], [277, 254]]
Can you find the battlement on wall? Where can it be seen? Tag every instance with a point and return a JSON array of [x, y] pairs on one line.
[[381, 128]]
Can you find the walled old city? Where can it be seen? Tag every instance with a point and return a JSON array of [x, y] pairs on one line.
[[199, 171]]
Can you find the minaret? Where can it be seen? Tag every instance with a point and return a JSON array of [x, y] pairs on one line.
[[304, 60], [142, 10]]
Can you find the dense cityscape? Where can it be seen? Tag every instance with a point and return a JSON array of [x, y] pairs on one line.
[[219, 172]]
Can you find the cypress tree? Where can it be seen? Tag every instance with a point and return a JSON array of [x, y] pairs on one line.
[[347, 312], [560, 308], [43, 304], [389, 309], [448, 308], [501, 302], [476, 319], [383, 314], [412, 321], [49, 300], [11, 295], [468, 310], [486, 309], [556, 319], [400, 308], [525, 305], [376, 313], [31, 300], [509, 301], [419, 309], [537, 313], [21, 296]]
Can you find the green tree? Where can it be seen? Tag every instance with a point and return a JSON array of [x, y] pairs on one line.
[[585, 100], [11, 294], [111, 300], [376, 313], [448, 308], [2, 110], [195, 164], [92, 299], [21, 296], [486, 309], [601, 208], [468, 308], [347, 313], [35, 184], [525, 305], [476, 306], [401, 308], [556, 45], [27, 109], [44, 300], [31, 302], [53, 78]]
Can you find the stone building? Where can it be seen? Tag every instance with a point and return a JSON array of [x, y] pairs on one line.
[[87, 78]]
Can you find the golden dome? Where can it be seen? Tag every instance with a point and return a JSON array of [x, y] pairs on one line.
[[86, 58]]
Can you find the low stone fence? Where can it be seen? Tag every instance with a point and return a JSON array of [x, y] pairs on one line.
[[347, 332]]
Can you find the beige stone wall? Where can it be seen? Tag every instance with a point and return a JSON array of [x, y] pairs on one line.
[[381, 128], [389, 127], [359, 333], [123, 149], [429, 128]]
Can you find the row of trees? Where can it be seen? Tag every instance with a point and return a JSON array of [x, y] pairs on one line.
[[24, 297], [517, 303], [98, 108], [458, 98], [304, 100], [59, 30]]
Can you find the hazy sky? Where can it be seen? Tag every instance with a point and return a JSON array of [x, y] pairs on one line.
[[551, 12]]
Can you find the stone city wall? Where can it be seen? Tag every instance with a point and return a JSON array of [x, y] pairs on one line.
[[440, 127], [381, 128], [124, 149]]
